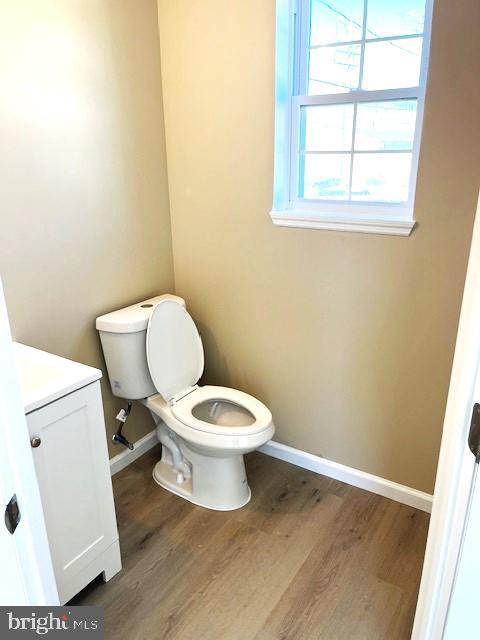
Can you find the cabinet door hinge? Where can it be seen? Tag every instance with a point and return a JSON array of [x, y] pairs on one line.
[[12, 514], [474, 434]]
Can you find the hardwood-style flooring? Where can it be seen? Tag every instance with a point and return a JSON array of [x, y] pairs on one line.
[[309, 558]]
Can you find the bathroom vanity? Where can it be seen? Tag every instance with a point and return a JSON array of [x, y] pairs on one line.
[[63, 405]]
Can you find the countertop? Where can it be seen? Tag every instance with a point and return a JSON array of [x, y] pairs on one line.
[[45, 377]]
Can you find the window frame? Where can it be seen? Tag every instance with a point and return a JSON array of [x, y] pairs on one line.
[[291, 56]]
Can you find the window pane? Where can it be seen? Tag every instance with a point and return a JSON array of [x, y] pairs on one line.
[[324, 176], [382, 177], [326, 128], [392, 64], [335, 21], [334, 69], [394, 18], [385, 125]]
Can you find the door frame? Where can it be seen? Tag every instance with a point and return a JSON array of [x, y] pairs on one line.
[[456, 464], [18, 473]]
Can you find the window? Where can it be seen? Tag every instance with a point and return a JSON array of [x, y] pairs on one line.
[[350, 86]]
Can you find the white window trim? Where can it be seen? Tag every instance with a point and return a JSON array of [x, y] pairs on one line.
[[368, 217]]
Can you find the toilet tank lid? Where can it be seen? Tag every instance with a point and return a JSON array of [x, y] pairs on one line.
[[134, 317]]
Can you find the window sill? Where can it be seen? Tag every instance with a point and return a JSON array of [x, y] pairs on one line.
[[291, 218]]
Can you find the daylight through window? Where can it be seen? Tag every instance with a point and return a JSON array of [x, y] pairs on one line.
[[351, 122]]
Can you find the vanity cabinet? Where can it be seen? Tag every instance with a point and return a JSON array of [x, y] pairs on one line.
[[68, 439]]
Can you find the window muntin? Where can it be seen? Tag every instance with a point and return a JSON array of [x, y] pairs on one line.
[[358, 80], [377, 136], [355, 44]]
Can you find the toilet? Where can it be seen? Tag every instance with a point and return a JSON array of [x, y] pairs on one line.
[[154, 354]]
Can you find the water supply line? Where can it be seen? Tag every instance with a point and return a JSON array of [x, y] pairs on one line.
[[122, 417]]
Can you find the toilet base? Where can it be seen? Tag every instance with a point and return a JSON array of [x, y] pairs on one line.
[[216, 483]]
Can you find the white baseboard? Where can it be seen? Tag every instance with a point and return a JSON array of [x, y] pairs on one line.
[[125, 457], [361, 479]]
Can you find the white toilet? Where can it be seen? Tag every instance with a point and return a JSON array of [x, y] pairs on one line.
[[154, 354]]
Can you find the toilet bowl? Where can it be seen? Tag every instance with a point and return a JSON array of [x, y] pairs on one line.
[[154, 351]]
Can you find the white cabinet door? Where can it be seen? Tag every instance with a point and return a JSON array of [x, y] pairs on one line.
[[72, 467]]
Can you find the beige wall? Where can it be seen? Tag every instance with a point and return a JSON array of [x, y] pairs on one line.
[[83, 191], [348, 338]]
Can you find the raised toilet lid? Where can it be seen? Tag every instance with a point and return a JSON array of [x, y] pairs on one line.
[[174, 349]]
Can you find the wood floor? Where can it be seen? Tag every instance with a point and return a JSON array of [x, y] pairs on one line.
[[308, 559]]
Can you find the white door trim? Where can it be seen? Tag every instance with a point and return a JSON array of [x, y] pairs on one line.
[[30, 537], [455, 467]]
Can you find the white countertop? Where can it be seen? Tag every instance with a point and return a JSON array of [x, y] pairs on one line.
[[45, 377]]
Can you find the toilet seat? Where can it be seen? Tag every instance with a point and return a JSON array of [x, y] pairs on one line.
[[182, 410], [175, 361]]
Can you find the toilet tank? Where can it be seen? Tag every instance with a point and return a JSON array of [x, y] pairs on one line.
[[123, 335]]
